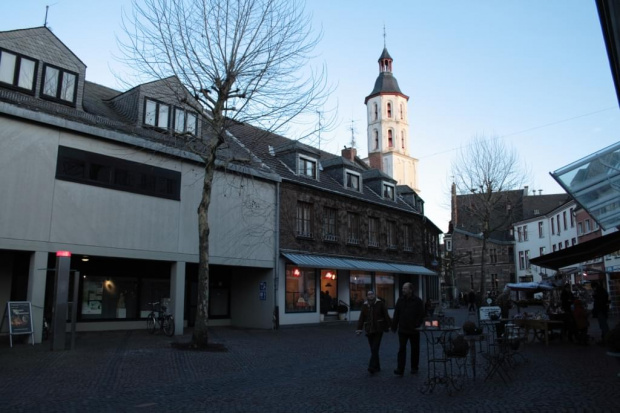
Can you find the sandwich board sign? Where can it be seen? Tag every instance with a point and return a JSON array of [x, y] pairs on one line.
[[19, 316]]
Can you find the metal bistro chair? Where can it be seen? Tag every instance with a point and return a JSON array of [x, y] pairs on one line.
[[496, 354]]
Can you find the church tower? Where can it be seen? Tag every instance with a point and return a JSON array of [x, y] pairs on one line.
[[388, 127]]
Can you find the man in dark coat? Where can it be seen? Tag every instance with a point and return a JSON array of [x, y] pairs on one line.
[[374, 320], [408, 316]]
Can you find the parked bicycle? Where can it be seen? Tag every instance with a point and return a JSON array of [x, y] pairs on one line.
[[159, 320]]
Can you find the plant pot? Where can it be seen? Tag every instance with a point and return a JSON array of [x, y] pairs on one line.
[[342, 316]]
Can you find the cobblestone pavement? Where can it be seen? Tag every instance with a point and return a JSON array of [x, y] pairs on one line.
[[318, 368]]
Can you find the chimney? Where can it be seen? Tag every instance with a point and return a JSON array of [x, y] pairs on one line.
[[375, 160], [349, 153], [526, 190], [540, 192]]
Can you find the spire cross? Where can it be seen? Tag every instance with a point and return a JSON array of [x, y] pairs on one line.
[[384, 36]]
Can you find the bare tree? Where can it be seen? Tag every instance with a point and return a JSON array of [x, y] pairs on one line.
[[484, 171], [241, 61]]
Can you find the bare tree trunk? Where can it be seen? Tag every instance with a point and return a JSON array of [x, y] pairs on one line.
[[201, 334]]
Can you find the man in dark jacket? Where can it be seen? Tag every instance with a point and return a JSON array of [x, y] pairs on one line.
[[408, 316], [374, 320]]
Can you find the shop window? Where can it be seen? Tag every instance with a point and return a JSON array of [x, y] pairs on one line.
[[151, 291], [300, 290], [109, 298], [359, 284], [385, 288]]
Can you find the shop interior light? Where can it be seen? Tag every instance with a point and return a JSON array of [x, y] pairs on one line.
[[296, 272], [85, 258]]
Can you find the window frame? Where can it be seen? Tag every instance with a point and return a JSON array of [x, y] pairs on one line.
[[392, 239], [186, 115], [17, 66], [303, 219], [330, 224], [374, 225], [158, 105], [119, 174], [62, 72], [302, 167], [386, 190], [353, 228], [347, 183]]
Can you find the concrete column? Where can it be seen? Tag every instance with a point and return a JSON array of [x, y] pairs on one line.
[[36, 290], [177, 295]]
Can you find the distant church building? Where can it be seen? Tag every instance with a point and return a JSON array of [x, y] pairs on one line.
[[388, 127]]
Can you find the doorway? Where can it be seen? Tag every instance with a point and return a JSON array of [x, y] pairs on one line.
[[329, 291]]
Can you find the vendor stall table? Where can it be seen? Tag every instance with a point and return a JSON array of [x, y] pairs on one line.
[[538, 325]]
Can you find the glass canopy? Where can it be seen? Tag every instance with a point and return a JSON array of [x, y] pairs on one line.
[[594, 182]]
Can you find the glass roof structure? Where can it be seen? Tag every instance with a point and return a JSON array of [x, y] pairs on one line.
[[594, 183]]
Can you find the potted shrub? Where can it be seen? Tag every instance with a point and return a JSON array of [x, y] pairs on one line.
[[342, 311]]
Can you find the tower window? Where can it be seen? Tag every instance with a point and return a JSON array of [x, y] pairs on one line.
[[376, 139], [389, 110], [402, 139], [376, 109], [402, 114], [390, 139]]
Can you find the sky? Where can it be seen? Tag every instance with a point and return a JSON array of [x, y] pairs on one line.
[[530, 72]]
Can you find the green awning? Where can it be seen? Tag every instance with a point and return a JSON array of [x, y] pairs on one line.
[[338, 263]]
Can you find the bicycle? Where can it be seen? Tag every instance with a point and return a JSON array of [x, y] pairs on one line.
[[162, 321]]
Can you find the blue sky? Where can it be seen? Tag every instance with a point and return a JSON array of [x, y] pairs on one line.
[[532, 72]]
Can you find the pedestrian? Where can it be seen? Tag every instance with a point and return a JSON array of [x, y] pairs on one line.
[[600, 309], [374, 321], [471, 298], [408, 316], [581, 324], [429, 308], [566, 301]]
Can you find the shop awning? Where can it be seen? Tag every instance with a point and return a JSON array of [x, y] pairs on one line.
[[589, 250], [337, 263]]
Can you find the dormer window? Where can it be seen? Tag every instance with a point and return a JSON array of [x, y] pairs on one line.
[[352, 180], [17, 71], [59, 84], [184, 121], [307, 167], [388, 191], [156, 114]]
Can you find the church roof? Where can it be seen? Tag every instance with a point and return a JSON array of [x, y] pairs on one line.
[[386, 83], [385, 55]]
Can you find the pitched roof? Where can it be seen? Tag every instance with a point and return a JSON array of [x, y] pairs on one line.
[[259, 141]]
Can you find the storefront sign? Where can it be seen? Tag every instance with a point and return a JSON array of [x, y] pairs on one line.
[[19, 316], [485, 312]]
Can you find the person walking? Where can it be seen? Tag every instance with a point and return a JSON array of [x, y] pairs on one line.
[[600, 309], [567, 300], [408, 316], [374, 320], [471, 298]]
